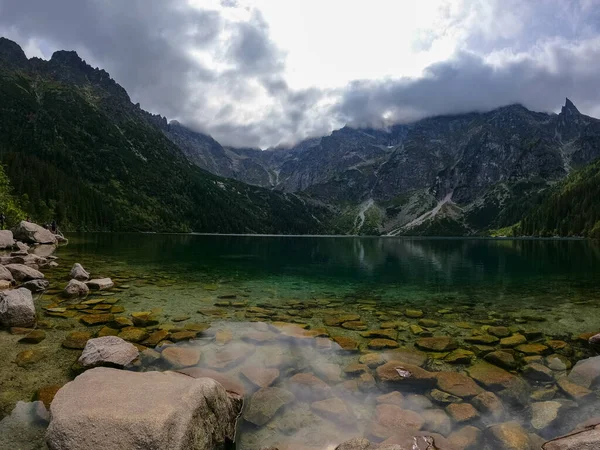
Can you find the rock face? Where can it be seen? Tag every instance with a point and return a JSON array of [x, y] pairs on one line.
[[141, 410], [32, 233], [17, 308], [108, 350], [76, 288], [6, 239], [79, 273]]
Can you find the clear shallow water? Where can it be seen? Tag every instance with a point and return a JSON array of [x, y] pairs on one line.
[[513, 283]]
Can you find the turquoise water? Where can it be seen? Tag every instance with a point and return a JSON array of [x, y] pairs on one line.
[[549, 287]]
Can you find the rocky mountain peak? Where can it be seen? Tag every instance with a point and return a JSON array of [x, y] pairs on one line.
[[67, 57], [569, 108], [11, 53]]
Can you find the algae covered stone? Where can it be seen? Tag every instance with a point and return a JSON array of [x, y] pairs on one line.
[[437, 344], [265, 403]]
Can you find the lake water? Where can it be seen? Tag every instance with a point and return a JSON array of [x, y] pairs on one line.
[[257, 294]]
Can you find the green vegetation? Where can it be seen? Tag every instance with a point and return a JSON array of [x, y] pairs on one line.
[[81, 152], [572, 208], [10, 206]]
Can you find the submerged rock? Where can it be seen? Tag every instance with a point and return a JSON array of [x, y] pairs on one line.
[[76, 288], [79, 273], [462, 412], [36, 285], [17, 308], [107, 350], [458, 384], [125, 409], [508, 436], [76, 340], [35, 337], [544, 413], [179, 357], [29, 357], [398, 372], [437, 344], [335, 410], [261, 377], [265, 403], [32, 233]]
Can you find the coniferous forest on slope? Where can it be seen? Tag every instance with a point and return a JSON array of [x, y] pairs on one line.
[[76, 149]]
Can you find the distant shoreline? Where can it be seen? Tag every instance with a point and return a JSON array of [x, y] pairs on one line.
[[482, 238]]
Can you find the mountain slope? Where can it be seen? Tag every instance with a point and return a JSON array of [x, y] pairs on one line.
[[76, 148], [571, 208], [469, 172]]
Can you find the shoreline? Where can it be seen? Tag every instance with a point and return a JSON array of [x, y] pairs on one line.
[[344, 236]]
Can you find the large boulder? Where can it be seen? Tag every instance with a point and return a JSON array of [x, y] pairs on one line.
[[17, 308], [110, 408], [108, 350], [6, 239], [76, 289], [32, 233], [79, 273], [44, 251], [21, 272]]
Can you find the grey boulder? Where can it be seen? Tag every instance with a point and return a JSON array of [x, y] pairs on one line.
[[36, 285], [5, 274], [32, 233], [79, 273], [100, 284], [107, 350], [76, 289], [109, 408], [6, 239], [21, 272], [17, 308]]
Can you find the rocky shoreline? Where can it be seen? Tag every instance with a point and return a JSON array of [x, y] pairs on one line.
[[412, 381]]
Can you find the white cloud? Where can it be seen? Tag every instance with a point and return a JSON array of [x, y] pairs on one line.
[[266, 72]]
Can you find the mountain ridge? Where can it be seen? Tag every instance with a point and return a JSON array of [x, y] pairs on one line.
[[76, 149], [478, 170]]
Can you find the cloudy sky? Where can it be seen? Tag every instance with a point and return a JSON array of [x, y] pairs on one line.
[[272, 72]]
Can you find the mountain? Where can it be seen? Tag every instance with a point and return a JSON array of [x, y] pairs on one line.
[[77, 149], [451, 175]]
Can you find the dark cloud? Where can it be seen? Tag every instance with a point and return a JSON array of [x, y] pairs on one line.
[[469, 83], [240, 94]]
